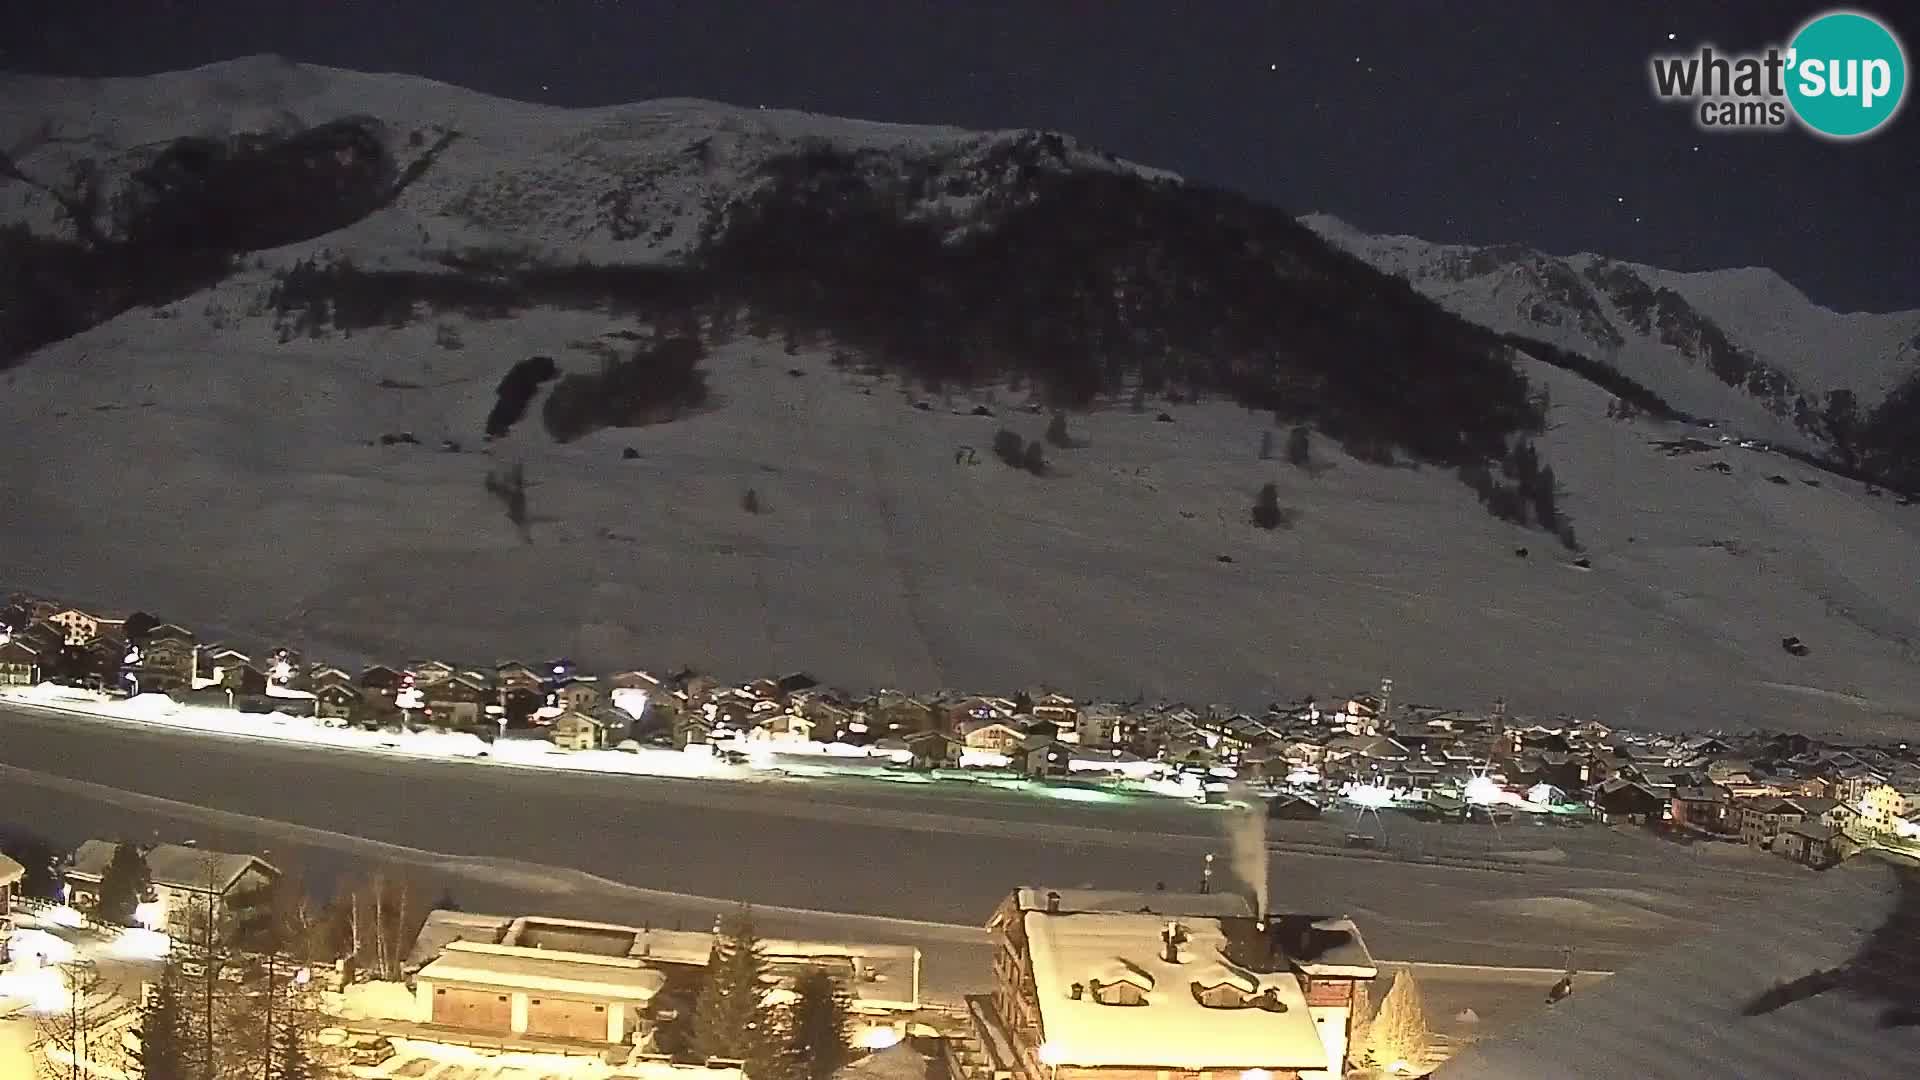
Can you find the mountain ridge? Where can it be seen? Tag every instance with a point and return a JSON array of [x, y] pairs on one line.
[[1754, 331]]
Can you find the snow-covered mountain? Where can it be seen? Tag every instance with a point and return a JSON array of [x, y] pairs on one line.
[[218, 438], [1742, 345]]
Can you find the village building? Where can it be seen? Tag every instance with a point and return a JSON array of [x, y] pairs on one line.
[[80, 627], [781, 726], [19, 662], [597, 982], [1810, 843], [1624, 801], [169, 659], [457, 701], [187, 881], [337, 701], [11, 874], [427, 672], [581, 694], [595, 729], [992, 736], [1884, 806], [935, 750], [1041, 754], [1761, 819], [1708, 809], [1132, 986]]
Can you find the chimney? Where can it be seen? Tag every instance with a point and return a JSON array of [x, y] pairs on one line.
[[1053, 903], [1171, 939]]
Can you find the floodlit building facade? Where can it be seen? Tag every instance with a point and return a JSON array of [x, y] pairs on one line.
[[1095, 985]]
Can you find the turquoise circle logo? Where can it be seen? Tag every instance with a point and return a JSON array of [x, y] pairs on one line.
[[1847, 75]]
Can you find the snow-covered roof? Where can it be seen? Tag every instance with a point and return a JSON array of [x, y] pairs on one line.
[[888, 974], [1822, 979], [1182, 905], [172, 865], [505, 966], [1323, 946], [444, 927], [1173, 1030]]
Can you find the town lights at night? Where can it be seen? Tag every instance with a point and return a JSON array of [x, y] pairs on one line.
[[1481, 791], [1371, 796]]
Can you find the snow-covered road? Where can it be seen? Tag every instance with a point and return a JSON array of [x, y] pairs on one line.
[[923, 864]]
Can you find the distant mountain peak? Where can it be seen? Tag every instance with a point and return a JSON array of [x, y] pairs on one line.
[[1741, 343]]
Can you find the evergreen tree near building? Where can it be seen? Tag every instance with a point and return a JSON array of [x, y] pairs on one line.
[[163, 1031], [291, 1058], [124, 886], [817, 1027], [731, 1018], [1399, 1031]]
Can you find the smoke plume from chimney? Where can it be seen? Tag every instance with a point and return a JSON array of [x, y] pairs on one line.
[[1247, 837]]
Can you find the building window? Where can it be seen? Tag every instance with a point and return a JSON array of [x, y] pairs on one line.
[[439, 993], [599, 1008]]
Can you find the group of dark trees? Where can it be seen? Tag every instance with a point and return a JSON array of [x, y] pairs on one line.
[[177, 224], [52, 289], [516, 391], [256, 191], [328, 294], [1020, 453], [661, 381], [732, 1018], [1887, 443], [238, 994], [1097, 281], [1523, 491]]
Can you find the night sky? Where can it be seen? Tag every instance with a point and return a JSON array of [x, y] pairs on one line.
[[1468, 120]]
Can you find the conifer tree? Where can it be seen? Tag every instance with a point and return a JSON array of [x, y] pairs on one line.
[[731, 1018], [124, 886], [1399, 1032], [163, 1030], [1057, 431], [1266, 508], [818, 1027], [291, 1058], [1300, 446]]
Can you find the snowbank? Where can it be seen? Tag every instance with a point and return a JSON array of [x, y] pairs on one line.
[[157, 709]]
